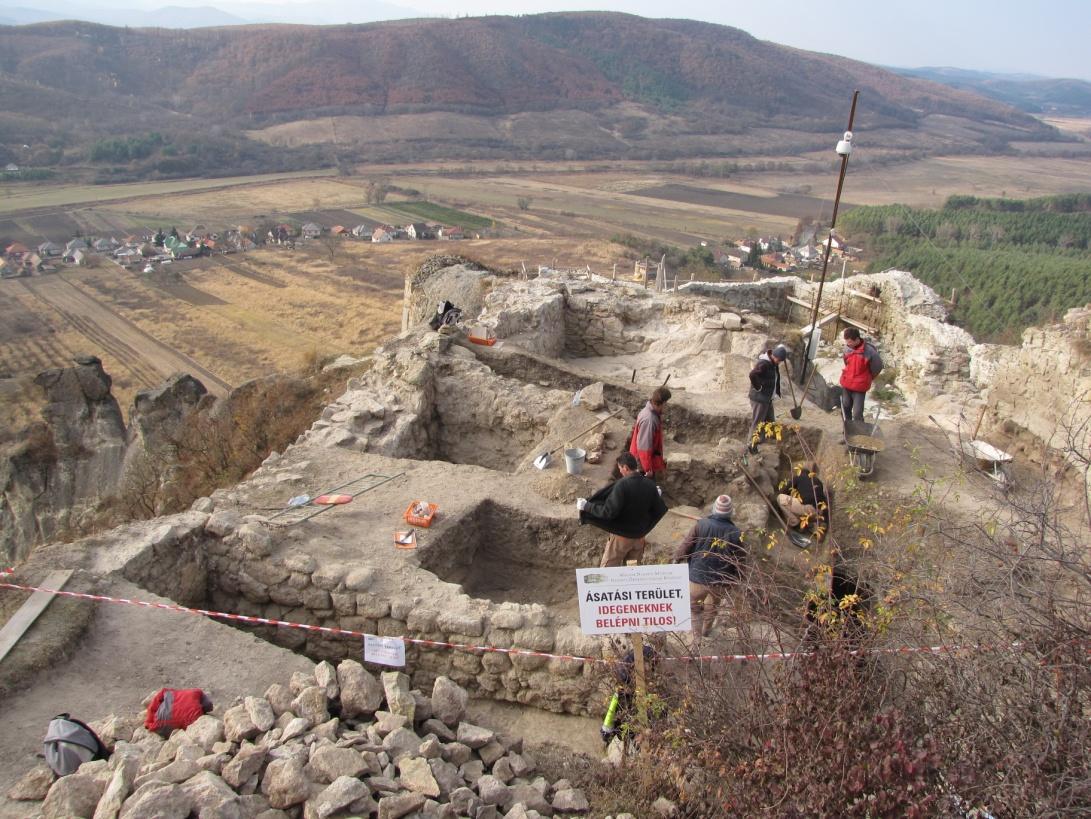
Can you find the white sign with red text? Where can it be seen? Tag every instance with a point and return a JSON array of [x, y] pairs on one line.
[[634, 599]]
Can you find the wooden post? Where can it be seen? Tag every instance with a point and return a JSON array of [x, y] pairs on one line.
[[640, 688], [977, 426]]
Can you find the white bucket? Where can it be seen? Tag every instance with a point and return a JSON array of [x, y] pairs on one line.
[[573, 460]]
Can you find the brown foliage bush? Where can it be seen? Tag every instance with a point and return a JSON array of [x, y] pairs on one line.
[[996, 722]]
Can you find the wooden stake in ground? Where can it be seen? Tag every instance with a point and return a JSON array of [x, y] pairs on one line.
[[640, 688]]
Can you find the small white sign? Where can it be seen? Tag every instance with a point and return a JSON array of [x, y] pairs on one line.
[[634, 599], [384, 650]]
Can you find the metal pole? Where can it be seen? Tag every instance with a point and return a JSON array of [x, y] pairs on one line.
[[829, 240]]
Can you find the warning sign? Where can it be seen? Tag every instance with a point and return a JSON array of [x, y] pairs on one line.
[[634, 599], [384, 650]]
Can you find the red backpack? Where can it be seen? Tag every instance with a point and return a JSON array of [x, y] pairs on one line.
[[173, 708]]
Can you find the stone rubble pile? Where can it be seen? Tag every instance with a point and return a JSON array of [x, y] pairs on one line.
[[339, 742]]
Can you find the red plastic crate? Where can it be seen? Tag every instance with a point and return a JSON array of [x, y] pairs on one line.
[[421, 520]]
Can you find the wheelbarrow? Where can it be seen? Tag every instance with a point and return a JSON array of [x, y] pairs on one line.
[[996, 463], [864, 441]]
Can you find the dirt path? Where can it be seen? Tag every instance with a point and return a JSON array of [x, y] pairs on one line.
[[149, 360], [158, 648]]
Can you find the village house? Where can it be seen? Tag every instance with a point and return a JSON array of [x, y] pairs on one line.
[[806, 254], [776, 261], [16, 251], [451, 233], [47, 249], [32, 263], [311, 231], [362, 231], [727, 258], [381, 234], [418, 230], [126, 256]]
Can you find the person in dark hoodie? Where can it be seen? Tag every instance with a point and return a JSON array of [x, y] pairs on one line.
[[627, 509], [715, 553], [764, 386]]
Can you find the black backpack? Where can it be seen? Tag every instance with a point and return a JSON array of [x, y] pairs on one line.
[[69, 743]]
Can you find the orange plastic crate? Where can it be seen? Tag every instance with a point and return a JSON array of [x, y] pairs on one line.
[[421, 520]]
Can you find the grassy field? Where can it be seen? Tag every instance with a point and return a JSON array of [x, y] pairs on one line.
[[431, 212]]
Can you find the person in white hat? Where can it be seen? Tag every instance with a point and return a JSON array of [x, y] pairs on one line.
[[715, 553]]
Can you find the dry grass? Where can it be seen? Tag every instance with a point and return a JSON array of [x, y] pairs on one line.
[[1081, 126], [928, 183], [242, 204], [244, 326], [27, 196], [379, 129]]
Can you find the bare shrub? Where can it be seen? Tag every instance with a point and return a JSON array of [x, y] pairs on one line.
[[988, 713]]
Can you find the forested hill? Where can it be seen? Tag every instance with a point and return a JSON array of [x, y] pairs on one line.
[[1012, 263], [651, 87]]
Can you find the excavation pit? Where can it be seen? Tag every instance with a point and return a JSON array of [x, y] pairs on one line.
[[494, 436], [502, 554]]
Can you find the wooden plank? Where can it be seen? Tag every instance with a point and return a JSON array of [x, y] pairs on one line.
[[859, 324], [822, 322], [800, 302], [24, 618], [864, 295]]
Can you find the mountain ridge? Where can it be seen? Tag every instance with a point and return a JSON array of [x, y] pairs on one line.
[[704, 83]]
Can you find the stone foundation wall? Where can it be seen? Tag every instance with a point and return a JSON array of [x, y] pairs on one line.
[[294, 587], [768, 296], [171, 561], [598, 323], [1044, 385]]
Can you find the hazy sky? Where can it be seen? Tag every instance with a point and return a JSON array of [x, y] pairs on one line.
[[1047, 37]]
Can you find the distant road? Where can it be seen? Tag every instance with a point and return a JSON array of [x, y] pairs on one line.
[[148, 359]]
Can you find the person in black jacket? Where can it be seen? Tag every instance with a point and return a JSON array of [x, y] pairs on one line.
[[764, 385], [627, 509], [715, 553]]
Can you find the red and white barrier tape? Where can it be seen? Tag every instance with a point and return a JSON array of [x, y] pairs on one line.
[[522, 652], [264, 621]]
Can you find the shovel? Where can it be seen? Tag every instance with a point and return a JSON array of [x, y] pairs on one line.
[[546, 458], [797, 409]]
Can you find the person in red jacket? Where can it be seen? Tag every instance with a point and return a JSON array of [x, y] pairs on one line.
[[862, 364], [646, 444]]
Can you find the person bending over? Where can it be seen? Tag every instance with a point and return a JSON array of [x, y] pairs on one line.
[[626, 509]]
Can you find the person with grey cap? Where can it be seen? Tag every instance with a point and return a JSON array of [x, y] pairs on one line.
[[715, 553], [764, 385]]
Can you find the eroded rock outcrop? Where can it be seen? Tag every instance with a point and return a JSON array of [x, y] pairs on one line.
[[65, 466]]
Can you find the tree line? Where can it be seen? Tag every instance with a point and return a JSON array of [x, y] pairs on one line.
[[1009, 263]]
